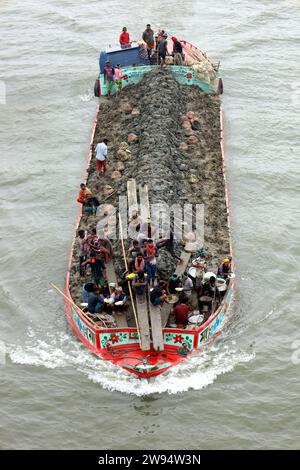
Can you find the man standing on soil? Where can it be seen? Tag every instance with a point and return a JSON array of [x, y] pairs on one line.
[[148, 37], [101, 156]]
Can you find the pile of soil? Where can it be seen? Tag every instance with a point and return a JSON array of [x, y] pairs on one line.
[[175, 172]]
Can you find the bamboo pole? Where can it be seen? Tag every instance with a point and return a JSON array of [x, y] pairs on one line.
[[129, 285], [73, 304]]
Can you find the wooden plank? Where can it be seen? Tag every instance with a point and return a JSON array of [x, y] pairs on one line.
[[144, 202], [142, 314], [132, 197], [156, 328], [111, 273], [165, 313], [181, 267], [121, 319]]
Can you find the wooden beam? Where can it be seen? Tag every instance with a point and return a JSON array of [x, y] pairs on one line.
[[156, 328], [132, 197], [144, 202], [181, 267], [142, 314]]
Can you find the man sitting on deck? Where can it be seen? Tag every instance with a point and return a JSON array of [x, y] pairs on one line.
[[224, 269], [158, 294], [86, 198], [181, 313], [95, 301]]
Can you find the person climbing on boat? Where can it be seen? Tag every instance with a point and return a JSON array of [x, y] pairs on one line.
[[139, 264], [88, 201], [97, 267], [168, 243], [151, 253], [224, 268], [83, 250], [134, 225], [139, 283], [134, 251], [102, 156], [109, 77], [177, 51], [124, 39], [162, 50], [118, 75], [148, 38]]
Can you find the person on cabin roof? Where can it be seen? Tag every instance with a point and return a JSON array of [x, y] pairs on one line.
[[86, 198], [109, 77], [148, 37], [118, 75], [83, 250], [101, 156], [124, 39], [162, 50]]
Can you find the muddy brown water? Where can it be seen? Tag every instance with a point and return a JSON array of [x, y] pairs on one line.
[[244, 391]]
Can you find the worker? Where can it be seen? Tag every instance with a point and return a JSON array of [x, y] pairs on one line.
[[124, 39]]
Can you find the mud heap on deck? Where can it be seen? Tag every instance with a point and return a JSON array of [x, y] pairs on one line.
[[179, 164]]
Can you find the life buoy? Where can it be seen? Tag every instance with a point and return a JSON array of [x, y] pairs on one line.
[[220, 87]]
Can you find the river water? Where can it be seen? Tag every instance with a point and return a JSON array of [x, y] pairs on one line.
[[244, 391]]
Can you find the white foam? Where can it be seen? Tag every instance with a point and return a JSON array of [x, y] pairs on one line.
[[199, 371]]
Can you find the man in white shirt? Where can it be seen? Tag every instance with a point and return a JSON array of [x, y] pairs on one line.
[[101, 156]]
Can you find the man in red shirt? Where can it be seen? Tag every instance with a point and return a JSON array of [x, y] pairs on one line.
[[124, 39], [181, 313]]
